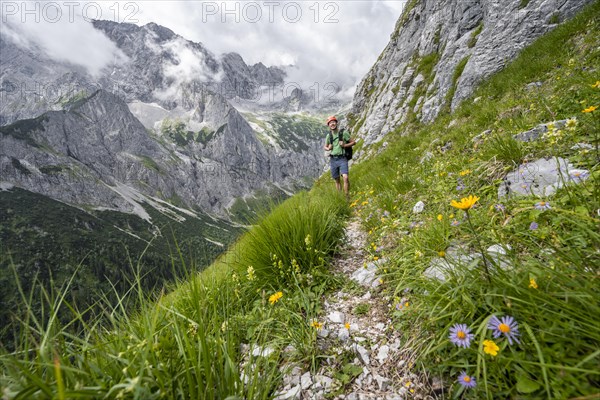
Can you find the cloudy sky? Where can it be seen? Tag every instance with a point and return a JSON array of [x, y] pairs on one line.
[[325, 41]]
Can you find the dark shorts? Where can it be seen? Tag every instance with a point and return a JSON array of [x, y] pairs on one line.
[[338, 165]]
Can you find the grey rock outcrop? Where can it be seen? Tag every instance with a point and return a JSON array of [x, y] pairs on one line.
[[441, 50], [541, 178]]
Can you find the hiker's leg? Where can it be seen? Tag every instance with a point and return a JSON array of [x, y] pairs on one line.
[[344, 172], [346, 184], [335, 172]]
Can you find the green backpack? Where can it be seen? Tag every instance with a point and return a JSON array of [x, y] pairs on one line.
[[347, 150]]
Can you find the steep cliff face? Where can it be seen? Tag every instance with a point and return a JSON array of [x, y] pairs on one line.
[[441, 49]]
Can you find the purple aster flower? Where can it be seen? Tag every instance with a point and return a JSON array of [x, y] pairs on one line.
[[460, 335], [455, 223], [386, 214], [533, 226], [506, 326], [467, 381], [579, 175], [542, 205], [499, 207], [460, 187]]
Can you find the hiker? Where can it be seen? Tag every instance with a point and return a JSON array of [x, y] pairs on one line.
[[337, 142]]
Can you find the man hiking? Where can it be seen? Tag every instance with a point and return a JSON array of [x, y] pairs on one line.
[[337, 142]]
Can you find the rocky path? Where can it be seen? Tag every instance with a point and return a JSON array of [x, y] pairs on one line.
[[365, 356]]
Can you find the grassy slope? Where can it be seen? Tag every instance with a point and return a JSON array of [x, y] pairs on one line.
[[187, 344], [552, 288]]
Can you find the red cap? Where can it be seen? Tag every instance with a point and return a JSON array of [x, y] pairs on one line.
[[332, 118]]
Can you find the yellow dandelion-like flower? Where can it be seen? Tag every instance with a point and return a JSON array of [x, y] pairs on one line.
[[596, 85], [407, 384], [442, 253], [364, 203], [490, 347], [316, 324], [590, 109], [375, 258], [440, 217], [465, 172], [347, 325], [274, 298], [465, 203], [532, 283]]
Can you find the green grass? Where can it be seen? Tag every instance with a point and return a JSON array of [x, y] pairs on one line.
[[473, 39], [189, 343], [551, 286]]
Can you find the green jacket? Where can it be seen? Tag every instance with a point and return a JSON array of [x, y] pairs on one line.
[[337, 149]]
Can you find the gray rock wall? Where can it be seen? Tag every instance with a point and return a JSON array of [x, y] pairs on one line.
[[419, 72]]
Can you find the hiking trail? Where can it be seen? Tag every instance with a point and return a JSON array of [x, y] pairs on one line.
[[366, 357]]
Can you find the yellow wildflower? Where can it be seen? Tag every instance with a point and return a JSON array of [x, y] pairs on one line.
[[532, 283], [364, 203], [465, 203], [440, 217], [347, 325], [274, 298], [590, 109], [491, 348], [596, 85], [316, 324], [442, 253], [465, 172]]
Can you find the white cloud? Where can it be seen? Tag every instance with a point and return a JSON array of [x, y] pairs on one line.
[[328, 41], [331, 41], [187, 65], [61, 36]]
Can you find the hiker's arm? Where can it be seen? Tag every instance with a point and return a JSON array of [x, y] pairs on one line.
[[327, 146], [350, 143]]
